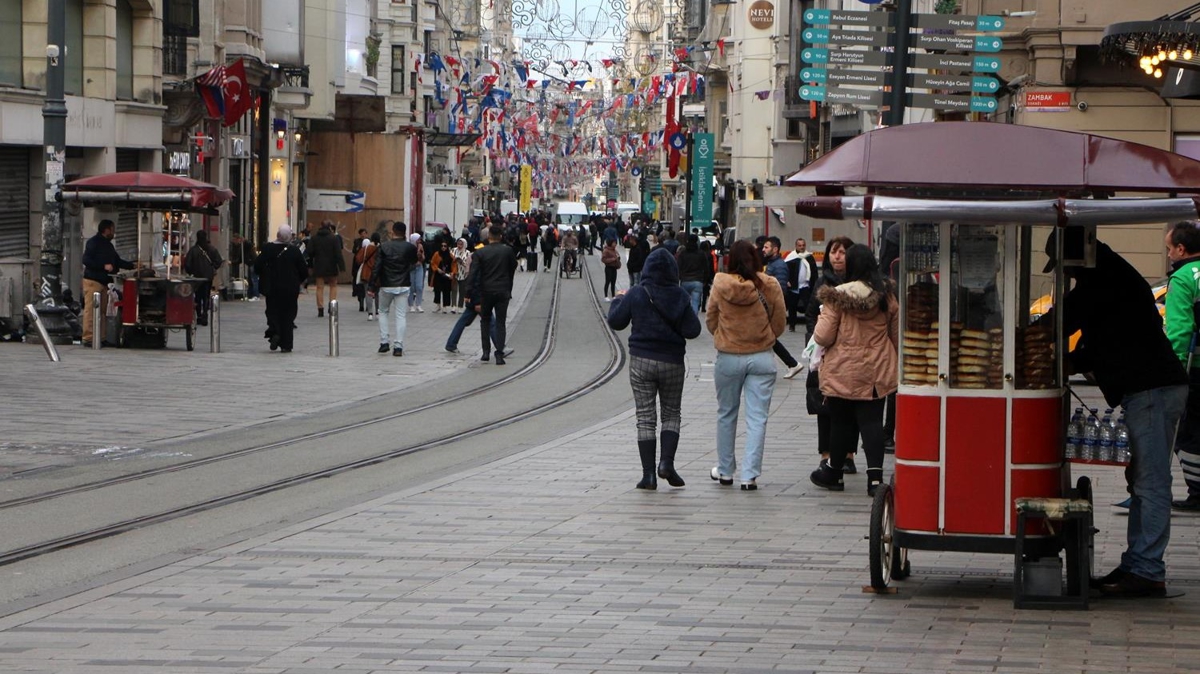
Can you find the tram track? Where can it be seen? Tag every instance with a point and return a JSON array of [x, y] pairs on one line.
[[616, 361]]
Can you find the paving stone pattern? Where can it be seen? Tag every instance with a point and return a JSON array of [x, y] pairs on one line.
[[551, 561]]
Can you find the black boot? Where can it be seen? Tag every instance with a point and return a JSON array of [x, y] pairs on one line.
[[874, 479], [646, 449], [666, 464], [827, 477]]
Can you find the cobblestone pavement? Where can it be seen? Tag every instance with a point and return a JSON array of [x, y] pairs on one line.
[[551, 561], [116, 402]]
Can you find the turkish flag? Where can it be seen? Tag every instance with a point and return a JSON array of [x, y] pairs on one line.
[[237, 94]]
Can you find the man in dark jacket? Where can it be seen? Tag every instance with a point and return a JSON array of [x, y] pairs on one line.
[[203, 261], [801, 276], [493, 268], [281, 270], [1135, 367], [777, 269], [391, 280], [100, 259], [325, 249]]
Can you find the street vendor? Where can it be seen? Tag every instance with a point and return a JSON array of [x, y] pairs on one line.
[[100, 260], [1133, 364]]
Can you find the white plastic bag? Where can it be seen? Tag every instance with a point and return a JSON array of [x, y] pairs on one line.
[[812, 354]]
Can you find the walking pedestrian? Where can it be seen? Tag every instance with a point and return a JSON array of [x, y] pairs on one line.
[[369, 248], [777, 269], [203, 261], [357, 288], [391, 281], [745, 315], [416, 295], [859, 330], [611, 259], [281, 270], [694, 269], [327, 263], [462, 267], [801, 276], [100, 259], [637, 259], [663, 320], [492, 270], [441, 274], [549, 243], [833, 269]]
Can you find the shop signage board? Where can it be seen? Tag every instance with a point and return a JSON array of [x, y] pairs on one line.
[[526, 194], [704, 148]]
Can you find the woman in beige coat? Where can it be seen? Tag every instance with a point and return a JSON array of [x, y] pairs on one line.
[[745, 315], [858, 328]]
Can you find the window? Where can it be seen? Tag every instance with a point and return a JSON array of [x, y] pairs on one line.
[[399, 65], [181, 20], [72, 60], [10, 42], [124, 50]]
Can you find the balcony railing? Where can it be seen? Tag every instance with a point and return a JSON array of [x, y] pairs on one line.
[[175, 53]]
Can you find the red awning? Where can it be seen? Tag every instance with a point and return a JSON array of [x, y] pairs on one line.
[[143, 187], [993, 156]]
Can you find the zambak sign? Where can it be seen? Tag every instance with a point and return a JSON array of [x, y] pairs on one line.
[[703, 146]]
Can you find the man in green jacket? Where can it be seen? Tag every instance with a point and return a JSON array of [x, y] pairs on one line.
[[1183, 294]]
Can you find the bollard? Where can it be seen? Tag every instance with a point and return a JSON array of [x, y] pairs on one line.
[[97, 327], [214, 323], [41, 328], [334, 346]]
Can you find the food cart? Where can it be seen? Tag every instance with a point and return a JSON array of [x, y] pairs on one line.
[[156, 298], [982, 400]]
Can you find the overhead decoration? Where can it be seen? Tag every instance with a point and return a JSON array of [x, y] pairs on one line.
[[1172, 40]]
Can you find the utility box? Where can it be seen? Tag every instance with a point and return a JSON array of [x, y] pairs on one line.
[[16, 288], [450, 204]]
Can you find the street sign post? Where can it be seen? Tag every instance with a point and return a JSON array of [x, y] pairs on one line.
[[865, 78], [816, 55], [860, 97], [704, 148], [952, 102], [982, 24], [957, 62], [977, 85], [851, 38], [986, 44], [824, 17]]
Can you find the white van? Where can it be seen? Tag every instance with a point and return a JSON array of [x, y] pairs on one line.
[[508, 206], [573, 213], [627, 208]]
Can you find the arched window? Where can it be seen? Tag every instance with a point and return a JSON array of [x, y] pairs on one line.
[[124, 50], [10, 42]]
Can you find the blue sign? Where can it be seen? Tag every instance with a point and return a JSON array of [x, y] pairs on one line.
[[355, 203], [514, 168], [635, 171], [678, 141]]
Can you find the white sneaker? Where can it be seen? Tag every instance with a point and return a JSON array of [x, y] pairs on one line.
[[370, 317], [454, 311], [412, 310], [437, 309], [420, 310], [793, 371]]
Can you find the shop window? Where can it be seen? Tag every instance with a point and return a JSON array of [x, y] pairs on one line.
[[10, 42], [399, 65], [124, 50], [73, 58]]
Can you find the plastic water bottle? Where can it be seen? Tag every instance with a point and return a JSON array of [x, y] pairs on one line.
[[1075, 434], [1121, 441], [1107, 431], [1091, 436]]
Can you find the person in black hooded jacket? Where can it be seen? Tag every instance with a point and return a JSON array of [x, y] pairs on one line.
[[663, 320]]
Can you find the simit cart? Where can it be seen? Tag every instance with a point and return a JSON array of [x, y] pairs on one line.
[[981, 406], [156, 298]]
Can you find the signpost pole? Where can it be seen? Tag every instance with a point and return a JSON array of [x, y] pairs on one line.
[[900, 62], [687, 217]]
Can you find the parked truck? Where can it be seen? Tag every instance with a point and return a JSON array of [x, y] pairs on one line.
[[450, 204]]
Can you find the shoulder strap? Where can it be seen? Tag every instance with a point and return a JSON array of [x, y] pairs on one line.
[[661, 315]]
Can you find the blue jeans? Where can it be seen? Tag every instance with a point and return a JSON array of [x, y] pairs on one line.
[[391, 312], [753, 373], [416, 279], [464, 321], [696, 290], [1152, 417]]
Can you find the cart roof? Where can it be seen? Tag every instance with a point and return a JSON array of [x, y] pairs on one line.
[[984, 156], [141, 188]]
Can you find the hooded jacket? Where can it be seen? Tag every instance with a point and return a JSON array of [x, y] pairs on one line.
[[737, 319], [660, 311], [326, 253], [860, 341]]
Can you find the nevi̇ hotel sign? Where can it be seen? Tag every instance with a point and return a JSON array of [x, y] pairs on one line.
[[762, 15]]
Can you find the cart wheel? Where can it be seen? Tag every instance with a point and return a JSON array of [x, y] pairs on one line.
[[190, 337], [885, 557]]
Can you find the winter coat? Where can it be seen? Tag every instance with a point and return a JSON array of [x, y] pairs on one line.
[[610, 257], [827, 277], [367, 265], [660, 311], [637, 257], [860, 340], [443, 264], [693, 265], [737, 318], [281, 269], [393, 263], [202, 261], [326, 254]]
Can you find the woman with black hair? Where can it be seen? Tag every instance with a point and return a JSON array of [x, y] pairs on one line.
[[859, 328], [746, 314], [833, 270]]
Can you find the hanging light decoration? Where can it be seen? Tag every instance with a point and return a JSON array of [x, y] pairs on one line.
[[1172, 40]]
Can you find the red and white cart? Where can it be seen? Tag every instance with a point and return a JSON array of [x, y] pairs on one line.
[[981, 408]]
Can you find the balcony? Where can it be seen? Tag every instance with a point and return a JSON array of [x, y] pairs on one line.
[[175, 53], [793, 106]]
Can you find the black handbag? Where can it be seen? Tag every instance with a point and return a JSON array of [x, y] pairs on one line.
[[814, 399]]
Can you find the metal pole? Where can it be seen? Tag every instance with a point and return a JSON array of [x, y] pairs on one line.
[[334, 344], [214, 323], [898, 98], [96, 318], [687, 206], [47, 343]]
